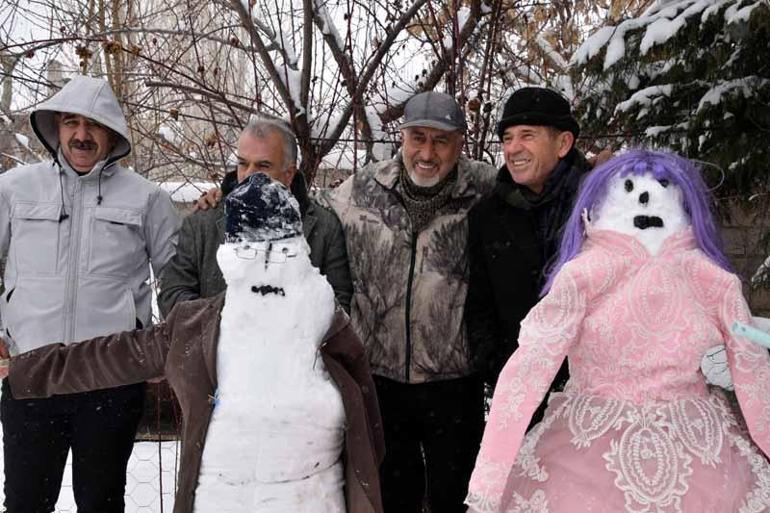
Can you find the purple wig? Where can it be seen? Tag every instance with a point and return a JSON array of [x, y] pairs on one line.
[[662, 165]]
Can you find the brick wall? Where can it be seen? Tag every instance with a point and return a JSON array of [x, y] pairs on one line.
[[743, 230]]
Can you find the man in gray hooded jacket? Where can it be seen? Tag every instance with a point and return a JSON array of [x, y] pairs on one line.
[[78, 233]]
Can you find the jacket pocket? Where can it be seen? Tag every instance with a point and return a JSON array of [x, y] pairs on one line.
[[34, 247], [117, 242], [104, 306], [32, 312]]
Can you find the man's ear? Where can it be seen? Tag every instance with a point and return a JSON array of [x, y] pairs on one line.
[[566, 141], [290, 172]]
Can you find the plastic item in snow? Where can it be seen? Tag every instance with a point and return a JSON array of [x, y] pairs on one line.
[[757, 336]]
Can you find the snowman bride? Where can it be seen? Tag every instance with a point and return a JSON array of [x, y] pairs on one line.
[[640, 291]]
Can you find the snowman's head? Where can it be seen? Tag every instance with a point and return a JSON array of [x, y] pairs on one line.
[[642, 206], [648, 195], [264, 252]]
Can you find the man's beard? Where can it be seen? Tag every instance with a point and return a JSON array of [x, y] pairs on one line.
[[419, 181]]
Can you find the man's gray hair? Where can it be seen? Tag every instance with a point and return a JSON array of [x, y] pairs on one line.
[[260, 125]]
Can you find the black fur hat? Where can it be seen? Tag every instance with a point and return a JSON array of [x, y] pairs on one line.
[[540, 107]]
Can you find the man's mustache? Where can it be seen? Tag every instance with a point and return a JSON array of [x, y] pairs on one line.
[[82, 145]]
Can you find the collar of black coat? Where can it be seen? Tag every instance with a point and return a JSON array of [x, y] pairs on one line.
[[567, 174]]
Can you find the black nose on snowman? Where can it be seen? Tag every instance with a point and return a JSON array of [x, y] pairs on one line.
[[644, 198]]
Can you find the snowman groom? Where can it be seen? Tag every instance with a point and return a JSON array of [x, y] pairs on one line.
[[279, 410]]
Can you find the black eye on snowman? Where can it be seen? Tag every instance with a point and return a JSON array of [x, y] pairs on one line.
[[629, 185], [663, 182]]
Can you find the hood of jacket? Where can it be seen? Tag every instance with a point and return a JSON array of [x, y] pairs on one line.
[[89, 97]]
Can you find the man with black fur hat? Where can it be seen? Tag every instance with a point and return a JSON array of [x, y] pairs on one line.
[[514, 233]]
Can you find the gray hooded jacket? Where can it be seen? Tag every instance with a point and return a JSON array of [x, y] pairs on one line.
[[78, 246]]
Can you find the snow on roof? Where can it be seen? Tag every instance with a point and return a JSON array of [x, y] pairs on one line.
[[343, 158], [186, 192]]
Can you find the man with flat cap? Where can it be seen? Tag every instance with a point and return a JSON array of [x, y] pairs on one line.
[[405, 224]]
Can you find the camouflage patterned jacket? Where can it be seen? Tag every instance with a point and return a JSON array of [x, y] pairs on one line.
[[409, 289]]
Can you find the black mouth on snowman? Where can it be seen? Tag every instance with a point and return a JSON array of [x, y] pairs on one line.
[[268, 289], [644, 222]]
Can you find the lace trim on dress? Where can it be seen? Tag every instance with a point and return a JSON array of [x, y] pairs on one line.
[[588, 418], [486, 499], [758, 499], [651, 456], [537, 503], [526, 460], [651, 468]]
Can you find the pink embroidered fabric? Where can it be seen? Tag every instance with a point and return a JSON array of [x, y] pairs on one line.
[[637, 429]]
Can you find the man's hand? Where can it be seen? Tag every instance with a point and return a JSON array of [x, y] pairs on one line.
[[4, 359], [4, 354], [598, 159], [208, 200]]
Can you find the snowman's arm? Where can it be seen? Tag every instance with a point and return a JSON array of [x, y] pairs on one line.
[[749, 365], [102, 362], [546, 335]]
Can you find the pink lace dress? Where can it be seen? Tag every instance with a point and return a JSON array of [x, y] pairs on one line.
[[637, 429]]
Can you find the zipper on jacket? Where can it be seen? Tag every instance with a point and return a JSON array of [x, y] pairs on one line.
[[408, 308], [71, 290]]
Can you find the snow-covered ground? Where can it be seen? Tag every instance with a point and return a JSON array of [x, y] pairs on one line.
[[143, 493]]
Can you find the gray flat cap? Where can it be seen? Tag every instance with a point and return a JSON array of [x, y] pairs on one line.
[[434, 110]]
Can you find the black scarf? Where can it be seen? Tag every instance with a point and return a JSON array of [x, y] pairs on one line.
[[551, 208]]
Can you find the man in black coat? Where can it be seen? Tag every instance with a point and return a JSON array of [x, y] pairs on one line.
[[515, 232]]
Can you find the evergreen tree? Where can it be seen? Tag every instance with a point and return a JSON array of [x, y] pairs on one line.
[[689, 75]]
